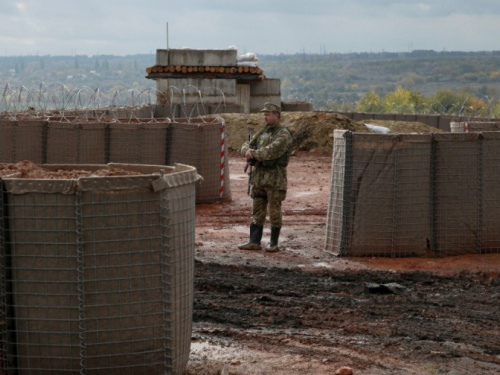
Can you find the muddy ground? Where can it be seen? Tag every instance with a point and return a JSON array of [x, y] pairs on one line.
[[305, 311]]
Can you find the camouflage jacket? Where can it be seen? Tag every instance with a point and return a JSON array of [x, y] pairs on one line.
[[273, 146]]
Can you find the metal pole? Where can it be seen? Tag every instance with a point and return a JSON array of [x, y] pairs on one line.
[[167, 35]]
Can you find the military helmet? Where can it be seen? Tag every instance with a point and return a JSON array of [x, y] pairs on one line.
[[270, 107]]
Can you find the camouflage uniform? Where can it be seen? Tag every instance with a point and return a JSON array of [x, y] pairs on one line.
[[269, 178]]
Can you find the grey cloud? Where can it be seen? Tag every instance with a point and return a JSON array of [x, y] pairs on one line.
[[261, 26]]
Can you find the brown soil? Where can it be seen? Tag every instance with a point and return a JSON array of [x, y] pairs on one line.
[[313, 131], [305, 311], [29, 170]]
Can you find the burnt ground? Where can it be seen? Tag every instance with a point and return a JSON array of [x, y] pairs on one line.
[[305, 311]]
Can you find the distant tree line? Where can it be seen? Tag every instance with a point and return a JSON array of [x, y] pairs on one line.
[[426, 81], [445, 101], [423, 82]]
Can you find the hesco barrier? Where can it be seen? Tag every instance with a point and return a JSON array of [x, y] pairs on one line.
[[442, 122], [22, 140], [141, 142], [474, 126], [97, 272], [203, 145], [414, 194], [76, 140]]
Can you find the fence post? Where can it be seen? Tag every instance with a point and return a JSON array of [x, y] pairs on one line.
[[479, 192], [346, 200], [432, 240]]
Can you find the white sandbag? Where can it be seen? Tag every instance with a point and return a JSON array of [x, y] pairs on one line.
[[378, 129], [250, 56]]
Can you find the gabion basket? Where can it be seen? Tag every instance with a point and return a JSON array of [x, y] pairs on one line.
[[97, 272]]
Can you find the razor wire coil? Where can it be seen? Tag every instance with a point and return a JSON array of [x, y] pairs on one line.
[[44, 100]]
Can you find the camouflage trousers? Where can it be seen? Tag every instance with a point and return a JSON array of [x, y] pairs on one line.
[[264, 199]]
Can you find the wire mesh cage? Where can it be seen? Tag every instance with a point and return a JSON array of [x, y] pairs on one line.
[[97, 271], [202, 144], [414, 194], [22, 139], [77, 141], [68, 139], [482, 126], [379, 199], [138, 141]]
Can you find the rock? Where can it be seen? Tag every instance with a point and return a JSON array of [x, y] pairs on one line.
[[344, 370], [390, 288]]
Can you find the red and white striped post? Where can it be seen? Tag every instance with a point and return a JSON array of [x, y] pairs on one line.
[[222, 158]]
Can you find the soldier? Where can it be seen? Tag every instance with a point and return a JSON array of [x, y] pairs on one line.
[[269, 152]]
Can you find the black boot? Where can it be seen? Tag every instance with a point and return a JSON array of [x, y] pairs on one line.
[[273, 243], [255, 238]]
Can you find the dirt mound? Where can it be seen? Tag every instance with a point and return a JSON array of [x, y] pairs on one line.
[[29, 170], [313, 131]]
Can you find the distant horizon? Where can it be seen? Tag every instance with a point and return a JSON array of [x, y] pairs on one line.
[[291, 27], [258, 54]]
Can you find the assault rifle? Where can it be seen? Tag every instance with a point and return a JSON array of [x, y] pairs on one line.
[[249, 165]]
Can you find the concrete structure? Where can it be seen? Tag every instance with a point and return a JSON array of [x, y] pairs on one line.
[[195, 57], [268, 90], [211, 79]]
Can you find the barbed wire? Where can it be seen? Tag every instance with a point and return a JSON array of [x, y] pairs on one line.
[[469, 107], [42, 99]]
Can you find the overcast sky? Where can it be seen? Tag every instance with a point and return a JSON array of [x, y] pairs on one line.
[[95, 27]]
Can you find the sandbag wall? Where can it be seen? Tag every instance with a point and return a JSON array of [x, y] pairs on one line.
[[76, 140], [96, 273], [414, 194]]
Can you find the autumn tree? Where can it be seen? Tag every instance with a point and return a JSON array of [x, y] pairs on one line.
[[370, 103], [474, 107], [402, 100]]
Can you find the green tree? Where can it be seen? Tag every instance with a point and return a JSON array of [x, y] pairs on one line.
[[419, 102], [370, 102], [446, 102], [400, 101]]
